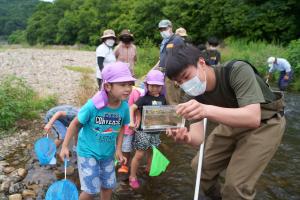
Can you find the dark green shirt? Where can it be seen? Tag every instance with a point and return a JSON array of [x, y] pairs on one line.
[[245, 88]]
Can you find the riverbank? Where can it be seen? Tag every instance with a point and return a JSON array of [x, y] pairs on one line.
[[48, 72]]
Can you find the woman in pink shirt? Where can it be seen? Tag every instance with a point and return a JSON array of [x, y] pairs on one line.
[[126, 50]]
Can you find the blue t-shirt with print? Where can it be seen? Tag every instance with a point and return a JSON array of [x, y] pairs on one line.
[[100, 128]]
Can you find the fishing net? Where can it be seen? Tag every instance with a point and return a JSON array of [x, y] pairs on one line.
[[45, 150], [159, 163]]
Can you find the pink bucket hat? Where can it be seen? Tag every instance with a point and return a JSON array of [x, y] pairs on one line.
[[155, 77], [112, 73]]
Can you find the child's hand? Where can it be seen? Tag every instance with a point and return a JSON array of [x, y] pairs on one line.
[[179, 134], [122, 159], [64, 153], [47, 127], [132, 125]]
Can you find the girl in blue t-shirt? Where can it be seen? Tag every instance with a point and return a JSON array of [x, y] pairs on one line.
[[102, 120], [144, 141]]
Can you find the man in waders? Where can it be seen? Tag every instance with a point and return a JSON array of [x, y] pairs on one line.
[[249, 115], [170, 40]]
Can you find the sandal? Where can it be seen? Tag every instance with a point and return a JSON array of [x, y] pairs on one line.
[[134, 183], [123, 169]]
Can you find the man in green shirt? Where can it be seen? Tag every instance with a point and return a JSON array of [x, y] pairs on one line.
[[249, 117]]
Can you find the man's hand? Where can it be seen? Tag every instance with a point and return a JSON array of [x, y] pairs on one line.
[[179, 134], [192, 110]]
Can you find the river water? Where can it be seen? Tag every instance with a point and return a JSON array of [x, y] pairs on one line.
[[280, 180]]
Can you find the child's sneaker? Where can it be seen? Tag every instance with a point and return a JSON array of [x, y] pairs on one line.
[[134, 183], [123, 169]]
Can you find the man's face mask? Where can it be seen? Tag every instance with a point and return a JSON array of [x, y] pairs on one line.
[[194, 87], [165, 34], [110, 42]]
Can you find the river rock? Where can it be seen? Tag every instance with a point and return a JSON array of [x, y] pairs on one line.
[[2, 158], [70, 171], [16, 162], [22, 172], [2, 178], [4, 163], [5, 186], [28, 194], [8, 170], [15, 197], [34, 187], [15, 188], [29, 146]]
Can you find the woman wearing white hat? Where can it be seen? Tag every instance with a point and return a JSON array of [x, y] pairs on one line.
[[105, 53]]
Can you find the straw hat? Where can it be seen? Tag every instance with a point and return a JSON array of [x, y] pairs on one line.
[[181, 32], [108, 33]]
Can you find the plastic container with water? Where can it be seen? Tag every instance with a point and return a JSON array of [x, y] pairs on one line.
[[160, 118]]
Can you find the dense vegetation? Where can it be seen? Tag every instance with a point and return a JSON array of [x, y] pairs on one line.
[[257, 29], [14, 14], [82, 21], [19, 101]]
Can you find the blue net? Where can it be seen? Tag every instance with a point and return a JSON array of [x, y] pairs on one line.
[[45, 150], [62, 190]]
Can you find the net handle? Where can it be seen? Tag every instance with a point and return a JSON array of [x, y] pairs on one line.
[[201, 152], [65, 167]]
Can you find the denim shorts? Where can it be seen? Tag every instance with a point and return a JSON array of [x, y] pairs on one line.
[[127, 143], [59, 129], [96, 174]]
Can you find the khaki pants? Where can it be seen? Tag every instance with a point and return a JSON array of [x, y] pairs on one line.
[[174, 93], [245, 153]]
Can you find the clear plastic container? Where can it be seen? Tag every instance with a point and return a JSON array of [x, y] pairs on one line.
[[159, 118]]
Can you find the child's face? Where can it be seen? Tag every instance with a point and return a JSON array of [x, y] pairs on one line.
[[119, 91], [154, 90]]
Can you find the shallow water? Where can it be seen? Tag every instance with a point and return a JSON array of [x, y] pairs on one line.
[[280, 181]]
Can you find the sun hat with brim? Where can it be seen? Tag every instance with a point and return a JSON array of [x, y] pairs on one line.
[[108, 33], [181, 32], [117, 72], [155, 77], [126, 32]]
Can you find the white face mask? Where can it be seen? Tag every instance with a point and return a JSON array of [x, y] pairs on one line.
[[194, 87], [165, 34], [110, 42]]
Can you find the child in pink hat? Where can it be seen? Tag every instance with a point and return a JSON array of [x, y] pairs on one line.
[[127, 146], [144, 141], [102, 120]]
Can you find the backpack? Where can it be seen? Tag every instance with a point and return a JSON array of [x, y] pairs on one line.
[[270, 108], [229, 68]]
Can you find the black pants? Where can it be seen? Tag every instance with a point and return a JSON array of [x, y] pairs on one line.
[[99, 81]]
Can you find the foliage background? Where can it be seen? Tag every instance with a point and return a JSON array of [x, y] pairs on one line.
[[82, 21]]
